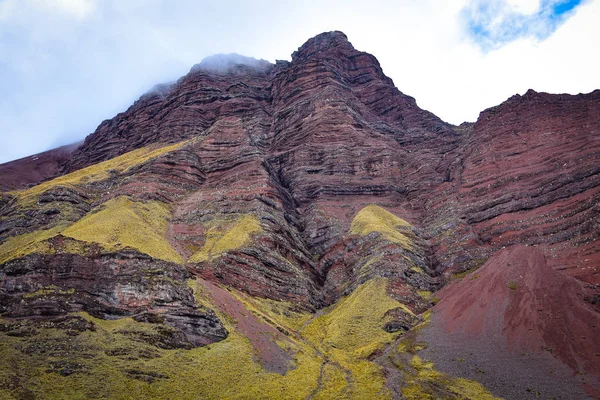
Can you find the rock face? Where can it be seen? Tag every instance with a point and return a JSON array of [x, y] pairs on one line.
[[279, 190], [531, 176], [32, 170], [120, 284]]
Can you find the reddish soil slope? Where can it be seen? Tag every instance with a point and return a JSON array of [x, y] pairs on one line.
[[31, 170], [302, 147], [518, 304]]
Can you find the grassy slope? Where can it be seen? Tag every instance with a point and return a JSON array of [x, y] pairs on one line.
[[223, 236], [97, 172], [27, 243], [123, 223], [373, 218], [116, 224], [331, 350], [137, 219]]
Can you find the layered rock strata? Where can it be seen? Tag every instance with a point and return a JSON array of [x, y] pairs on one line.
[[300, 191]]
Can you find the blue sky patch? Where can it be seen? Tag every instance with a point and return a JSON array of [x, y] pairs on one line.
[[492, 24]]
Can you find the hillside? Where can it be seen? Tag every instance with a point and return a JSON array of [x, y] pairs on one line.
[[304, 230]]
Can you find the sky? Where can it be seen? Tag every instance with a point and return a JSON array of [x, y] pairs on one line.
[[67, 65]]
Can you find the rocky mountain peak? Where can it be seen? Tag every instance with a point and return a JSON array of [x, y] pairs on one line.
[[301, 220], [327, 41]]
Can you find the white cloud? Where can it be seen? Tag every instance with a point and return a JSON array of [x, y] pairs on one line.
[[437, 63], [524, 6], [79, 9], [493, 23], [7, 9], [23, 9]]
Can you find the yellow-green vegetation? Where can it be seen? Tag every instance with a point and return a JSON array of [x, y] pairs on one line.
[[373, 218], [281, 314], [98, 172], [121, 223], [111, 363], [332, 357], [339, 340], [427, 295], [472, 267], [426, 383], [226, 235], [355, 323], [201, 298], [371, 262], [461, 275], [114, 225], [334, 382], [417, 270], [349, 332], [48, 290], [229, 370], [36, 242], [40, 242], [27, 243]]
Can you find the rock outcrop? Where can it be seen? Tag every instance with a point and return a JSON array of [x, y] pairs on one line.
[[300, 216], [29, 171]]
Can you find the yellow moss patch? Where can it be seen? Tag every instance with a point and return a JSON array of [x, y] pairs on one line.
[[279, 313], [351, 330], [470, 389], [424, 369], [334, 384], [222, 370], [373, 218], [364, 269], [410, 346], [413, 391], [201, 298], [100, 171], [49, 290], [461, 275], [226, 369], [425, 294], [420, 384], [111, 325], [224, 236], [357, 320], [40, 242], [121, 223], [27, 243], [417, 270]]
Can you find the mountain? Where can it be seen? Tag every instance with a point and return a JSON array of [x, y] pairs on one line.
[[305, 230]]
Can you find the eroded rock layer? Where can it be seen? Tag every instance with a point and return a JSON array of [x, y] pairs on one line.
[[291, 222]]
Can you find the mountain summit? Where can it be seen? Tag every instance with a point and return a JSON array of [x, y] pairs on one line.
[[305, 230]]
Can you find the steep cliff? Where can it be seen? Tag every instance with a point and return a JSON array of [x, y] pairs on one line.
[[281, 230]]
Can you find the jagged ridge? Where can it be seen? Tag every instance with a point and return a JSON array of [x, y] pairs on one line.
[[298, 184]]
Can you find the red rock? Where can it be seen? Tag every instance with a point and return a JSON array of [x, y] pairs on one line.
[[29, 171], [305, 145], [517, 304]]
